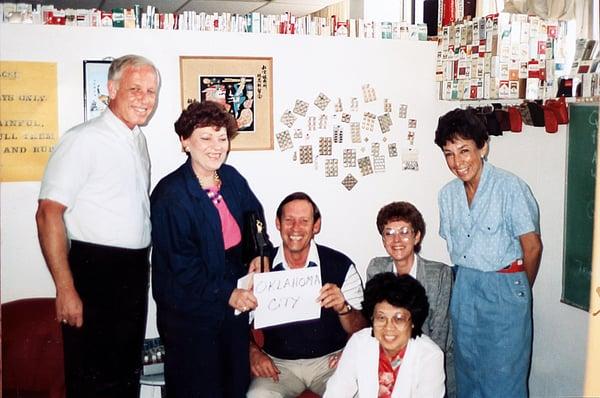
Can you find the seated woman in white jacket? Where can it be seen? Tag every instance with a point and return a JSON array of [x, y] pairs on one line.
[[393, 358]]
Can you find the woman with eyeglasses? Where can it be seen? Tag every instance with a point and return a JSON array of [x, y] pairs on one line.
[[402, 230], [393, 358]]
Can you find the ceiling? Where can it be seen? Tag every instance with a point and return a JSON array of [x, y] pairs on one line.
[[295, 7]]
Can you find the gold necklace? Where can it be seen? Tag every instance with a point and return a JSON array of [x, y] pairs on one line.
[[215, 178]]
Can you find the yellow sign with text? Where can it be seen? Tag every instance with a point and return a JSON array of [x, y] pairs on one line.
[[28, 119]]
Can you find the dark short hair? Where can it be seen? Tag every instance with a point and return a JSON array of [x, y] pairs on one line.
[[205, 114], [402, 211], [298, 196], [402, 291], [461, 123]]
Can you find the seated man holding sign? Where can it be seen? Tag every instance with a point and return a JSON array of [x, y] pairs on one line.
[[303, 354]]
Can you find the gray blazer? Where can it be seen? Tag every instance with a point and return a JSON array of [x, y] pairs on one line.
[[436, 278]]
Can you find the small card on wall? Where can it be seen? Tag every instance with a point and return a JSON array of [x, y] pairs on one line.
[[288, 118], [375, 149], [312, 123], [412, 123], [379, 164], [355, 132], [368, 93], [306, 154], [349, 182], [331, 167], [387, 106], [402, 111], [346, 117], [301, 107], [298, 133], [392, 150], [284, 140], [338, 105], [385, 121], [338, 134], [410, 159], [325, 146], [322, 101], [368, 121], [323, 122], [364, 165], [349, 157], [354, 104]]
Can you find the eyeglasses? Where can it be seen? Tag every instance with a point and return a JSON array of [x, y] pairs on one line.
[[399, 320], [404, 233]]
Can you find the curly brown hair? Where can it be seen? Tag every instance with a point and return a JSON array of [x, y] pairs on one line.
[[402, 211], [205, 114]]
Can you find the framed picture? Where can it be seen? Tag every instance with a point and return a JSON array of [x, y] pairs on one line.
[[244, 86], [95, 91]]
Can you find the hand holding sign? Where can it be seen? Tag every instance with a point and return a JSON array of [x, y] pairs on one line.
[[332, 297]]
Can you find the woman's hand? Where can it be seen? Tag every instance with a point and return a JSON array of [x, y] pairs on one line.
[[242, 300], [255, 264], [334, 359]]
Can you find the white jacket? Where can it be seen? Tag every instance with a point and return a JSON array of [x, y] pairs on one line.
[[421, 374]]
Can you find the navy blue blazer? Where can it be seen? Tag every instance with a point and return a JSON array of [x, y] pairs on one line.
[[190, 274]]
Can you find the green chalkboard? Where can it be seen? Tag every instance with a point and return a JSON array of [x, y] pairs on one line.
[[579, 204]]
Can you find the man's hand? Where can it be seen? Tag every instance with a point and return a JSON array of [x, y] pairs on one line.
[[69, 308], [262, 365], [255, 265], [331, 296]]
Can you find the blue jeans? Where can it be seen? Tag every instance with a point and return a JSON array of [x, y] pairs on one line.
[[492, 330]]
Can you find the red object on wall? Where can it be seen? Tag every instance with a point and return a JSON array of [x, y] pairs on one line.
[[448, 12]]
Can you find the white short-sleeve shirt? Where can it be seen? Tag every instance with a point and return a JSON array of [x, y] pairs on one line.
[[100, 170]]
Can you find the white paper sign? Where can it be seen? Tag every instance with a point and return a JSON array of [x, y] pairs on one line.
[[287, 296]]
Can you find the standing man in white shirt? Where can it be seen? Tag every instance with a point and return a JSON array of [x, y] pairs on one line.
[[93, 223]]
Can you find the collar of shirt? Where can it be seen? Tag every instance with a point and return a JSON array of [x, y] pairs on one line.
[[120, 129], [483, 183], [313, 257], [413, 269]]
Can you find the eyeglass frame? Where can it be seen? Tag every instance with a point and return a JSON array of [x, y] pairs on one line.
[[405, 233], [398, 320]]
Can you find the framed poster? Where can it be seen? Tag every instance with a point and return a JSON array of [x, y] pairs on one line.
[[243, 85], [95, 90]]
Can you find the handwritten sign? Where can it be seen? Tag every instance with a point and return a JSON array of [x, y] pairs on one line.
[[287, 296], [28, 119]]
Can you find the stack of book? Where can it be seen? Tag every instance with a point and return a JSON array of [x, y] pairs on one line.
[[148, 18]]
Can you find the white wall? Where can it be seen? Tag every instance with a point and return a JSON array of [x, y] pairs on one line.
[[304, 66]]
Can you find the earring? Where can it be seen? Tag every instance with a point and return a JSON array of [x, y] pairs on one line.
[[185, 149]]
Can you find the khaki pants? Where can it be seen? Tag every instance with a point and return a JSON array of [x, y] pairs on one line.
[[296, 376]]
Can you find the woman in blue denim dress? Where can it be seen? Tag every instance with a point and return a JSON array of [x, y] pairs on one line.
[[490, 221]]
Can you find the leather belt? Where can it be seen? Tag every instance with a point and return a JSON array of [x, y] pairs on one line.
[[515, 266]]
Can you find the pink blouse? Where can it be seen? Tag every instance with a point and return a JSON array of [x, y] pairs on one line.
[[229, 227]]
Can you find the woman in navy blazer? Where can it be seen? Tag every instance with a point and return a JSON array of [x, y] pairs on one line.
[[197, 213]]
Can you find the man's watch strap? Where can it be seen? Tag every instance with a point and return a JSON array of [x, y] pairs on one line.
[[347, 309]]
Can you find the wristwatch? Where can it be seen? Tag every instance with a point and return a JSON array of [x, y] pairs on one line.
[[347, 309]]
